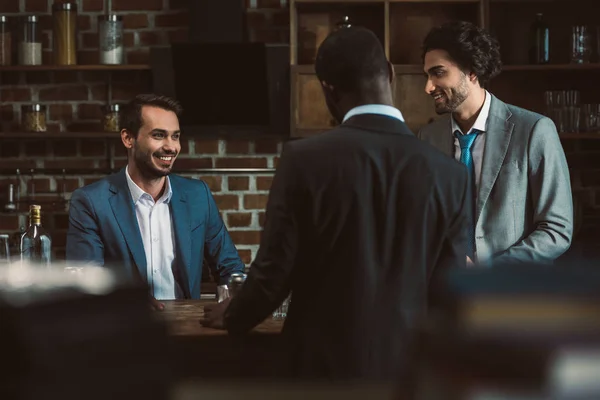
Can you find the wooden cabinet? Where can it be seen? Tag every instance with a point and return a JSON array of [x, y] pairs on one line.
[[401, 25]]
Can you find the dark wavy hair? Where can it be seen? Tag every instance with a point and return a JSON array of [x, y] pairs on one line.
[[472, 48], [131, 114]]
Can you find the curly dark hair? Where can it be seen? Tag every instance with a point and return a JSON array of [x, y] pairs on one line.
[[131, 114], [473, 48]]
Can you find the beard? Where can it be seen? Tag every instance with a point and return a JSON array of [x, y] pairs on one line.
[[148, 167], [450, 103]]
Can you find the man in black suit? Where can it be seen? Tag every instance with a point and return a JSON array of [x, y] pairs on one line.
[[358, 221]]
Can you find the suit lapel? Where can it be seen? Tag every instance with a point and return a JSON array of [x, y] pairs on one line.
[[181, 217], [124, 211], [499, 132]]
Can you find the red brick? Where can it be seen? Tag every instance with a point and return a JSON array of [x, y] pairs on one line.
[[92, 5], [61, 221], [38, 185], [178, 36], [36, 148], [36, 6], [38, 77], [255, 201], [267, 36], [245, 237], [84, 22], [10, 78], [242, 162], [65, 148], [129, 39], [245, 255], [237, 147], [69, 164], [10, 148], [227, 201], [65, 76], [261, 219], [88, 57], [7, 112], [46, 41], [89, 111], [275, 162], [137, 5], [126, 91], [268, 3], [90, 40], [266, 146], [98, 92], [135, 21], [193, 163], [151, 38], [206, 146], [23, 165], [179, 4], [64, 93], [239, 220], [15, 94], [93, 148], [214, 182], [138, 57], [9, 6], [264, 182], [171, 20], [256, 19], [79, 126], [89, 181], [281, 19], [58, 112], [238, 183], [9, 222], [70, 184]]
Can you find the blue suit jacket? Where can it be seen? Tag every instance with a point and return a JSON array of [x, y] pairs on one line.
[[103, 229]]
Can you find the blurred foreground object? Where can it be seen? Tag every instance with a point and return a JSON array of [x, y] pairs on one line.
[[78, 332], [513, 332]]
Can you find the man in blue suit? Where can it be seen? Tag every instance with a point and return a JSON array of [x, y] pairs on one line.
[[153, 225]]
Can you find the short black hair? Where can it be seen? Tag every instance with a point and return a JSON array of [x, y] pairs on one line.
[[472, 48], [131, 114], [349, 58]]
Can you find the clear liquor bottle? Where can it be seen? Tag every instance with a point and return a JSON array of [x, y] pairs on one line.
[[36, 244]]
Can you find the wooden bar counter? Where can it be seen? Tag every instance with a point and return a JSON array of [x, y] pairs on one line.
[[200, 352]]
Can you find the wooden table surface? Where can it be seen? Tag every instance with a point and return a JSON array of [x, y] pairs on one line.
[[183, 319]]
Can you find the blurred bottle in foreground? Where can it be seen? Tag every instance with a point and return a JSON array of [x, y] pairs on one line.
[[36, 245]]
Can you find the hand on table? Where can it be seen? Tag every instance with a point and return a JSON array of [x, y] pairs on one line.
[[214, 314], [156, 305]]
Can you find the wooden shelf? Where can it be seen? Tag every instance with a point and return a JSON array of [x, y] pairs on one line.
[[552, 67], [387, 1], [58, 135], [124, 67]]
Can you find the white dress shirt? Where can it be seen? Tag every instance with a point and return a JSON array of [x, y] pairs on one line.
[[478, 146], [380, 109], [156, 228]]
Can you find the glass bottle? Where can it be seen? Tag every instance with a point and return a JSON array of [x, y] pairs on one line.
[[5, 41], [30, 43], [539, 51], [36, 245], [110, 120], [64, 23], [110, 32]]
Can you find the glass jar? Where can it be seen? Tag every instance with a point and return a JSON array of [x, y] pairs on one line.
[[33, 118], [111, 119], [5, 42], [64, 23], [110, 32], [30, 43]]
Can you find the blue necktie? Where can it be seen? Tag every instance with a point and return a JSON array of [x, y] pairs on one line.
[[466, 157]]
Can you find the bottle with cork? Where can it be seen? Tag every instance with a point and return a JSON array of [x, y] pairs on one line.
[[36, 244]]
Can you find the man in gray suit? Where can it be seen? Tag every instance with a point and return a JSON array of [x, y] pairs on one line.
[[523, 207]]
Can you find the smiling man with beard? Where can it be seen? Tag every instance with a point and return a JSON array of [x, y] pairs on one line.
[[157, 226], [523, 204]]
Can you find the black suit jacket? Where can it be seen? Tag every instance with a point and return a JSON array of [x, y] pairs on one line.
[[358, 221]]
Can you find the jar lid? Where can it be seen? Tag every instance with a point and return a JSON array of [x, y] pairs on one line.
[[34, 107], [3, 18], [31, 18], [64, 7], [112, 18]]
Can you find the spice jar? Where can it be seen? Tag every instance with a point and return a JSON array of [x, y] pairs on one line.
[[33, 118], [110, 32], [30, 43], [64, 17], [111, 119], [5, 42]]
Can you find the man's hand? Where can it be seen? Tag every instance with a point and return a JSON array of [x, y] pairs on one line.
[[156, 305], [214, 314]]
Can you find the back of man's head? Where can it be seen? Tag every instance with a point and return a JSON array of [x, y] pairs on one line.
[[351, 59]]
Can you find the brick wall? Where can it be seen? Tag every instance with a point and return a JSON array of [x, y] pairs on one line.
[[74, 101]]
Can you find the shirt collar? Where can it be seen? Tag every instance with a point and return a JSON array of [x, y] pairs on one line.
[[380, 109], [481, 121], [137, 192]]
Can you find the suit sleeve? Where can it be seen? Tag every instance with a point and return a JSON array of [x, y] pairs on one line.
[[219, 251], [268, 281], [550, 187], [84, 243], [457, 241]]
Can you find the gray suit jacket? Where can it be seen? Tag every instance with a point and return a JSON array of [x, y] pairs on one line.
[[524, 206]]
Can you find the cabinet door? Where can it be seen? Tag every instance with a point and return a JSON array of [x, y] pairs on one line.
[[311, 115], [416, 106]]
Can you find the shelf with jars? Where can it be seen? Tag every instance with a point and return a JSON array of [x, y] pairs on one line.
[[561, 46]]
